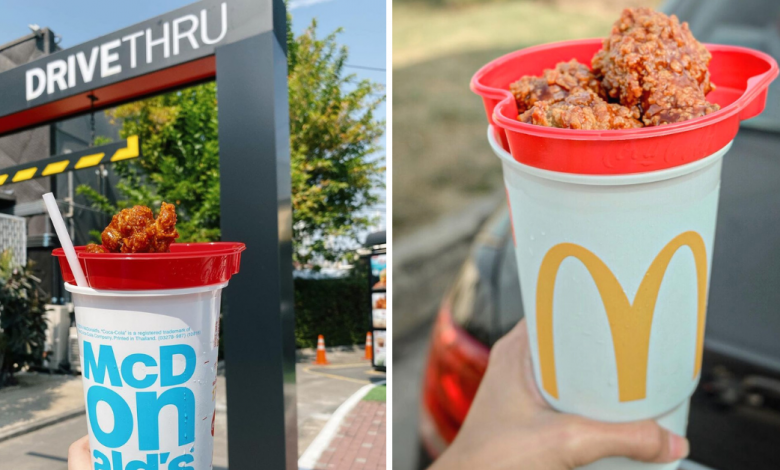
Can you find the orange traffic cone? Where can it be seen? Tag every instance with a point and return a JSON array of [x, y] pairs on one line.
[[369, 347], [321, 359]]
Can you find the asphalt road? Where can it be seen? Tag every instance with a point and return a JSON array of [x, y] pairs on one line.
[[320, 391]]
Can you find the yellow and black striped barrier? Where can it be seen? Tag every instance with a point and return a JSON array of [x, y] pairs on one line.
[[93, 156]]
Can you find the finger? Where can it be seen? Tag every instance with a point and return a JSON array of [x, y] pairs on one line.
[[645, 441], [520, 331], [508, 355], [512, 346], [518, 338], [504, 377], [510, 364], [78, 455], [529, 381]]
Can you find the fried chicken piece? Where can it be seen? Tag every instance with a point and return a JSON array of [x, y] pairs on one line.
[[554, 85], [582, 109], [94, 248], [127, 231], [135, 230], [652, 61], [671, 102], [163, 231]]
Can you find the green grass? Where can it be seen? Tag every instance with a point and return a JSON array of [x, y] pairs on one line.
[[377, 394], [441, 159], [422, 32]]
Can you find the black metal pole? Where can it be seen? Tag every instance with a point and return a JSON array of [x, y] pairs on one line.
[[57, 289], [256, 209]]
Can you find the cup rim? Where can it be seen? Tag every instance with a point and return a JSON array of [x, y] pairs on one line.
[[603, 180], [89, 291]]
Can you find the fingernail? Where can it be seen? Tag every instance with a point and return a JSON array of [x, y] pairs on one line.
[[678, 446]]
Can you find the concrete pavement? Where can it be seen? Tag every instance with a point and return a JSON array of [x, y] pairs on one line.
[[38, 400], [320, 391]]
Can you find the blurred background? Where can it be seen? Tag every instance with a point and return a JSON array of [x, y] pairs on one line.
[[456, 288]]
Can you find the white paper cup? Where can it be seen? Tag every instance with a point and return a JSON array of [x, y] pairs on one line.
[[149, 367], [614, 272]]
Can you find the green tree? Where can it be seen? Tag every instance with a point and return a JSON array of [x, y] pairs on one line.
[[334, 144], [333, 135], [180, 163]]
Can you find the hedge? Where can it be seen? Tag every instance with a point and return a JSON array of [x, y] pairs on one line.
[[335, 308]]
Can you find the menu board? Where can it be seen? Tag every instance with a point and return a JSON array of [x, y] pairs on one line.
[[380, 348], [377, 304], [378, 272], [379, 309]]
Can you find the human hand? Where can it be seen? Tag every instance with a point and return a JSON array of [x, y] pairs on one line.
[[78, 455], [510, 425]]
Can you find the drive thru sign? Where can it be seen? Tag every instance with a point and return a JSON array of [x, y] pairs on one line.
[[241, 44], [180, 37]]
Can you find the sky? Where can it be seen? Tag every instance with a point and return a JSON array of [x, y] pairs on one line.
[[77, 21]]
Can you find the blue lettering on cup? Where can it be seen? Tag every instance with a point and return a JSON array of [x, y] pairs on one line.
[[101, 461], [149, 407], [167, 379], [150, 464], [148, 404], [123, 417], [180, 462], [116, 457], [106, 363], [127, 370]]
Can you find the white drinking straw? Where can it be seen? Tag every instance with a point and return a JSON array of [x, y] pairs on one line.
[[65, 241]]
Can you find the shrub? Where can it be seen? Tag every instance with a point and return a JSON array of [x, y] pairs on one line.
[[22, 319], [336, 308]]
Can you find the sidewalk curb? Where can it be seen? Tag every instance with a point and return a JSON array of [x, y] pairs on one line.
[[312, 454], [28, 427]]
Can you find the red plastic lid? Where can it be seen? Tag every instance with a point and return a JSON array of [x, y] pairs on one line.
[[187, 265], [742, 77]]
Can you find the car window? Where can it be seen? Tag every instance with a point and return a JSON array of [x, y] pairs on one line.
[[472, 301]]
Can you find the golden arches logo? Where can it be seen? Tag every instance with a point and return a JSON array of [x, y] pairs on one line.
[[630, 324]]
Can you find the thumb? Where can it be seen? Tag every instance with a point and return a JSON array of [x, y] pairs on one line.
[[78, 455], [645, 441]]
